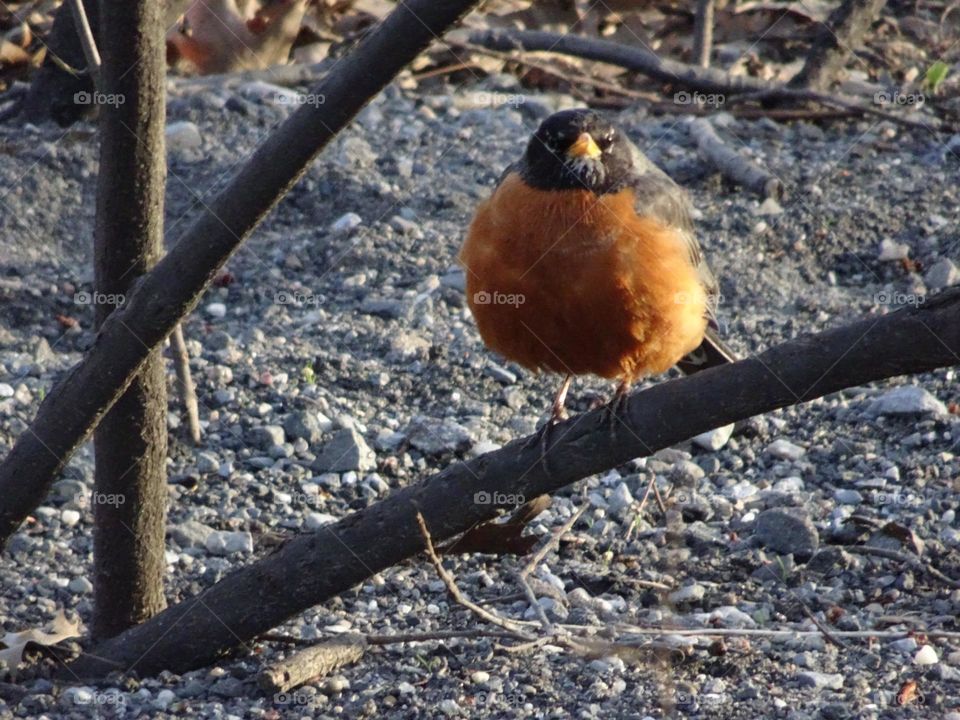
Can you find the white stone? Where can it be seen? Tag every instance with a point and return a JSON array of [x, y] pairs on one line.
[[785, 450], [182, 135], [891, 250], [346, 223], [216, 310], [908, 400], [714, 439], [225, 542], [926, 656]]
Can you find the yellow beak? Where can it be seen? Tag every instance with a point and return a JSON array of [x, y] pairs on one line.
[[585, 147]]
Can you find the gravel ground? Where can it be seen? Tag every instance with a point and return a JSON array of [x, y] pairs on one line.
[[336, 361]]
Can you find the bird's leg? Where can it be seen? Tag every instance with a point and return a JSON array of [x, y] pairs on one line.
[[558, 412], [616, 403]]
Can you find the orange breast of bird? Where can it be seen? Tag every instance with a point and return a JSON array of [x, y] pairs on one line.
[[566, 281]]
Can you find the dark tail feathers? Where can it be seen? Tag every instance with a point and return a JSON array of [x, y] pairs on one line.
[[712, 352]]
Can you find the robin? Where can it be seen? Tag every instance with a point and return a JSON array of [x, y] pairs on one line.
[[584, 261]]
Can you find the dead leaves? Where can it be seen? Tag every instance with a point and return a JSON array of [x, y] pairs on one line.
[[214, 36], [16, 642]]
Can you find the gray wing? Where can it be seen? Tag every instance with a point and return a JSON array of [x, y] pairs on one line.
[[658, 196]]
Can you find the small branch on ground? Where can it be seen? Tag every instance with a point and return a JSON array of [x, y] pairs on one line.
[[911, 560], [732, 164], [521, 577], [313, 662]]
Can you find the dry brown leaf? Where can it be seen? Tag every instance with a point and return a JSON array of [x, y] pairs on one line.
[[11, 54], [16, 643], [218, 37]]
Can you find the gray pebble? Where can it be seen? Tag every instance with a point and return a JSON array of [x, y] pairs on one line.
[[787, 531], [346, 450]]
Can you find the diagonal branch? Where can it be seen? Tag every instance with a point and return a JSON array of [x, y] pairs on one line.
[[314, 567], [172, 289]]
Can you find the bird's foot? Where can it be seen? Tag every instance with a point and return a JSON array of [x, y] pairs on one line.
[[616, 404]]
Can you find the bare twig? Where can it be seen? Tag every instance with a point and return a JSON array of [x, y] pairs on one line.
[[553, 541], [827, 632], [521, 576], [398, 638], [181, 363], [731, 163], [87, 42], [451, 584]]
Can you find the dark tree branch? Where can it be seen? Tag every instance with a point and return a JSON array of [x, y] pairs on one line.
[[673, 73], [173, 288], [131, 442], [835, 42], [314, 567], [665, 70]]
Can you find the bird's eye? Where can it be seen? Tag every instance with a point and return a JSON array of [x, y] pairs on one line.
[[605, 140]]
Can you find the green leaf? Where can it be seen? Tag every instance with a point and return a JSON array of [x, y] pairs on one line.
[[936, 74]]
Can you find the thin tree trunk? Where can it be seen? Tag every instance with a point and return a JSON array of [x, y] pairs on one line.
[[131, 441]]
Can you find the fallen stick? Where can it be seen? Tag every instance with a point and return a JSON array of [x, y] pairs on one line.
[[673, 73], [910, 560], [731, 163], [314, 662], [313, 567]]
